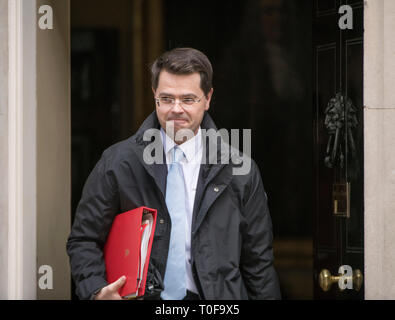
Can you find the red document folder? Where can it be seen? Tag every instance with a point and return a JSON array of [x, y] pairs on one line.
[[128, 247]]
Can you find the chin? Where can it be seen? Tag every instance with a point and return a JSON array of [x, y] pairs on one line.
[[182, 125], [185, 128], [177, 128]]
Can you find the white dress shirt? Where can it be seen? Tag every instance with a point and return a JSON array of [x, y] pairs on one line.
[[190, 165]]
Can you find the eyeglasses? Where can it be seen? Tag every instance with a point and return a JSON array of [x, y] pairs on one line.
[[170, 102]]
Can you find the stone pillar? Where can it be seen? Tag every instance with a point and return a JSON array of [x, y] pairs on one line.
[[3, 149], [379, 136]]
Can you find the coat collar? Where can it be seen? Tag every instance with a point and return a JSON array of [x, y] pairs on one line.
[[208, 170]]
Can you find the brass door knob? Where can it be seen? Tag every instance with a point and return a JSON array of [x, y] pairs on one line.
[[326, 279]]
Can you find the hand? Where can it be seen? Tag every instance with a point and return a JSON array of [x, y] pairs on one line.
[[110, 292]]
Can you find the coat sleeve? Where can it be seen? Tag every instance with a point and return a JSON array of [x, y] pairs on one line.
[[94, 215], [256, 263]]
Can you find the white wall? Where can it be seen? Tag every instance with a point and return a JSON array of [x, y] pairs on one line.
[[19, 158], [3, 149], [379, 135]]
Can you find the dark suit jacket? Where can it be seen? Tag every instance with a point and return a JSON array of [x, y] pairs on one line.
[[231, 244]]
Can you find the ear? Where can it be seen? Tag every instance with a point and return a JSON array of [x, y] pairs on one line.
[[208, 98]]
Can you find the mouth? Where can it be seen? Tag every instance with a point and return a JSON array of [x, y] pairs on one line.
[[178, 120]]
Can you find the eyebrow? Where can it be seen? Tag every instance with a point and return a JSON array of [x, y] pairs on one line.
[[162, 94]]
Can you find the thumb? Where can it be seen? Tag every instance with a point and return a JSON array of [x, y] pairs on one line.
[[115, 286]]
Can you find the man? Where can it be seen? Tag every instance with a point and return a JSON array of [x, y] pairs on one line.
[[213, 238]]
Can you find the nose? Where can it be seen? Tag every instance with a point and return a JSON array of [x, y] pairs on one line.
[[177, 106]]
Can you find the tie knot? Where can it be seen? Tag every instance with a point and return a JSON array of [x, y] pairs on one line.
[[178, 154]]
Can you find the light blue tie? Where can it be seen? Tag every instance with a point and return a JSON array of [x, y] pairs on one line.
[[175, 276]]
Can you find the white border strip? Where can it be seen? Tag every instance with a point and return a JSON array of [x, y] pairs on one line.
[[15, 145], [29, 9]]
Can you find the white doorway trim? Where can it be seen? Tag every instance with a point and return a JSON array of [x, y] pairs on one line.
[[22, 150], [379, 132]]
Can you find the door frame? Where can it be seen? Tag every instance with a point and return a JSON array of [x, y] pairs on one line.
[[36, 143], [379, 166], [22, 208]]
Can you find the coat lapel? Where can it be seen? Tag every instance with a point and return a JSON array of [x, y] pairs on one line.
[[207, 193]]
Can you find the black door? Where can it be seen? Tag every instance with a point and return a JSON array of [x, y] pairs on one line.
[[338, 150]]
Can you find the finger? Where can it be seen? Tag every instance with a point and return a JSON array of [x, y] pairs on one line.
[[115, 286]]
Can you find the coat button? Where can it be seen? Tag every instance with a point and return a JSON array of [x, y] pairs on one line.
[[216, 189], [161, 221]]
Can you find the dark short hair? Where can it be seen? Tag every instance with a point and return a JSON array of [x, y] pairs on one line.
[[183, 61]]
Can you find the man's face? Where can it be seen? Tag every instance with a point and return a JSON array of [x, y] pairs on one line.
[[181, 86]]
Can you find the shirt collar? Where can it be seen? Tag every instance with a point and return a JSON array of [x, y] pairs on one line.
[[190, 147]]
